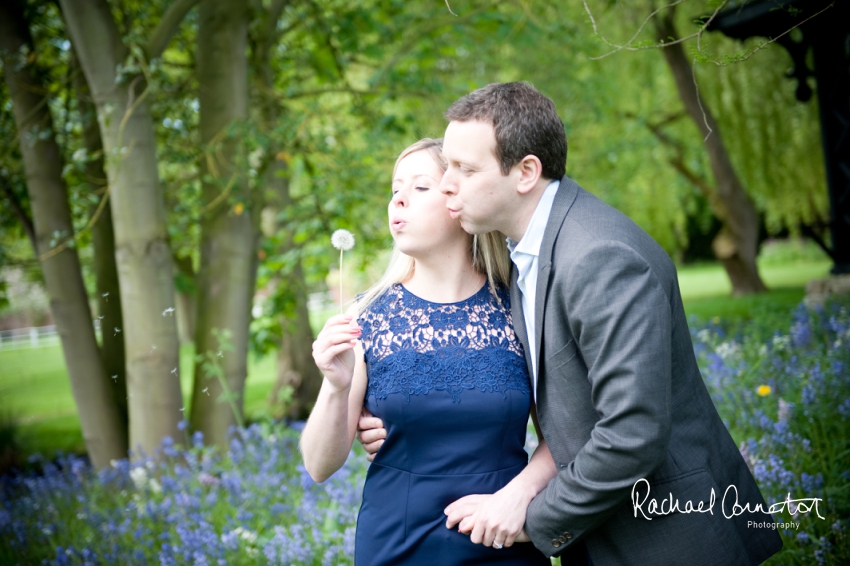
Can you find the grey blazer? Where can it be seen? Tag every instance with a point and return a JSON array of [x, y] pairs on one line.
[[620, 399]]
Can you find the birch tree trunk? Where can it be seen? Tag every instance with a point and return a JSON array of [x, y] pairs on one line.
[[229, 225], [142, 252], [103, 429], [103, 238], [736, 246]]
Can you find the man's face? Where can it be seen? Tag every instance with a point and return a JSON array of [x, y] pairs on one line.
[[477, 192]]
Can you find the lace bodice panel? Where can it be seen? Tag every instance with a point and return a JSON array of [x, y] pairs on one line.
[[413, 346]]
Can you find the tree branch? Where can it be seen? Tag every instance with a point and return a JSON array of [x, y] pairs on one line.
[[351, 90], [270, 32], [810, 232], [628, 45], [677, 161], [167, 27]]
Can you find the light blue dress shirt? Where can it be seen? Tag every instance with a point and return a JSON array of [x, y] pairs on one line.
[[525, 255]]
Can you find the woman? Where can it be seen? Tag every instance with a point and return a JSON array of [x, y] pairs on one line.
[[430, 349]]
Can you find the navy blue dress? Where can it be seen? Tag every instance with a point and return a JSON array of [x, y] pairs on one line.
[[451, 385]]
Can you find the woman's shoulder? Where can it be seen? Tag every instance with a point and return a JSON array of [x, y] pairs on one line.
[[498, 296], [383, 303]]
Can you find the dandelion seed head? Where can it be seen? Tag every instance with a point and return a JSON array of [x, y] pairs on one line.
[[342, 240]]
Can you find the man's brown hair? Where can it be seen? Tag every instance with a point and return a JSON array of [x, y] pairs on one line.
[[525, 122]]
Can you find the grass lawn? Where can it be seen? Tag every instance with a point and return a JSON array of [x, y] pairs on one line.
[[35, 392], [706, 288]]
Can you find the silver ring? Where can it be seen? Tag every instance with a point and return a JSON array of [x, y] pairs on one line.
[[497, 545]]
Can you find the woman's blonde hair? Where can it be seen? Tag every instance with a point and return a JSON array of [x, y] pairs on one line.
[[489, 252]]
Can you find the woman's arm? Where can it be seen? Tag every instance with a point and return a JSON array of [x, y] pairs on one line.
[[329, 433], [501, 516]]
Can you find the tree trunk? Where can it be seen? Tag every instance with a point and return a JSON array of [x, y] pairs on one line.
[[296, 354], [142, 252], [103, 429], [736, 246], [229, 231], [103, 238], [295, 365]]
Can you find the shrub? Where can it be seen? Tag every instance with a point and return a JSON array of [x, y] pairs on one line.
[[785, 395]]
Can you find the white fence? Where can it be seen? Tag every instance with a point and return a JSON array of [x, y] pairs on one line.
[[40, 336], [35, 337]]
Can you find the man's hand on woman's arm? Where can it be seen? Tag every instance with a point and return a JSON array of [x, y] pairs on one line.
[[500, 517], [371, 433]]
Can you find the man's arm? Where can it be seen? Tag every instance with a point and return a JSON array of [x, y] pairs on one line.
[[620, 317]]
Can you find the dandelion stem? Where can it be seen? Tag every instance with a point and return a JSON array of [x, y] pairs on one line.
[[340, 281]]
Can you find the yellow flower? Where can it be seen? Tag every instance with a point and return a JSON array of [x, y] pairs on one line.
[[716, 320], [763, 390], [239, 208]]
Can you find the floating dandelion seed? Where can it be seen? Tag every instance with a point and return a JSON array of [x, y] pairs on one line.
[[343, 240], [106, 296], [117, 330], [182, 409], [174, 371], [114, 378], [207, 391], [100, 317], [219, 354], [169, 311]]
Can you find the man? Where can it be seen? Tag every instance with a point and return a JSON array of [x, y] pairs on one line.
[[619, 397]]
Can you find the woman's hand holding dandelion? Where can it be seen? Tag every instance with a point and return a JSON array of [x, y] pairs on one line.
[[333, 350]]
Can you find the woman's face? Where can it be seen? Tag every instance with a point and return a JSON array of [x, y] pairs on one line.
[[419, 220]]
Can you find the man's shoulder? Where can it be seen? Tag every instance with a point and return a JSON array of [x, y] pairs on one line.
[[592, 226]]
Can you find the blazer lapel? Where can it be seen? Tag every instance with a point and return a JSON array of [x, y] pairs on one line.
[[518, 316], [564, 198]]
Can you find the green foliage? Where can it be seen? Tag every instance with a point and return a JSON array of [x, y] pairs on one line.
[[350, 84]]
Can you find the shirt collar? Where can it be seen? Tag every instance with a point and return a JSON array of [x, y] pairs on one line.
[[533, 237]]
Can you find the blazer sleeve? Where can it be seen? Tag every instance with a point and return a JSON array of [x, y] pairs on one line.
[[620, 316]]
